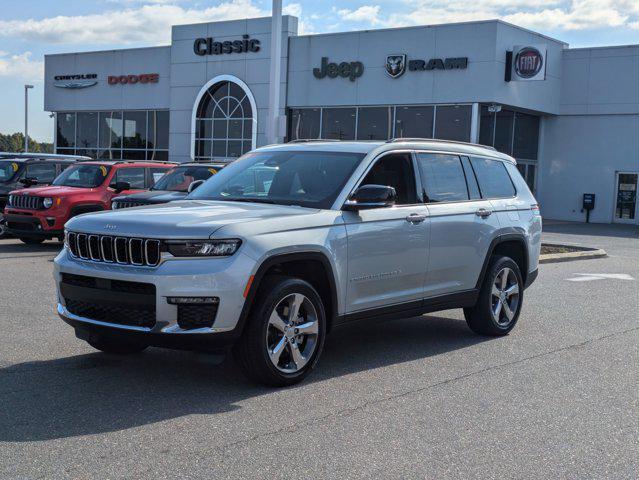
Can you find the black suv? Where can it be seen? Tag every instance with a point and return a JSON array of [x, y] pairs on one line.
[[176, 184], [23, 170]]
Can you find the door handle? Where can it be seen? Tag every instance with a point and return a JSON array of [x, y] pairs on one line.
[[483, 213], [415, 218]]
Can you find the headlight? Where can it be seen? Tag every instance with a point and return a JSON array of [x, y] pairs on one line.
[[47, 202], [203, 248]]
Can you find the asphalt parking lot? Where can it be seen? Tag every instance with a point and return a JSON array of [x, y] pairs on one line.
[[412, 398]]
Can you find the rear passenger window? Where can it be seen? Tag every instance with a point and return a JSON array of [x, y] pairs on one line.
[[471, 180], [134, 176], [442, 178], [43, 172], [493, 178]]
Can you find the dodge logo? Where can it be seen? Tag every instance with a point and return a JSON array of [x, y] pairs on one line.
[[396, 65], [528, 62]]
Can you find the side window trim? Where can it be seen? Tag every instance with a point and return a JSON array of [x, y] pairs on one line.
[[472, 171], [501, 162], [374, 162]]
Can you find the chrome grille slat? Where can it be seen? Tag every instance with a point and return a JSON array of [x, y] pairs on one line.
[[111, 249], [26, 202]]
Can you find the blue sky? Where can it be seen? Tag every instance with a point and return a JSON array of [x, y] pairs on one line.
[[29, 29]]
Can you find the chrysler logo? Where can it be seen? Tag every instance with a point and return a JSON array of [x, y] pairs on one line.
[[76, 81], [396, 65], [528, 62]]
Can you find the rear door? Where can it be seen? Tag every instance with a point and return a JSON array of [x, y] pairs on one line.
[[388, 247], [462, 223]]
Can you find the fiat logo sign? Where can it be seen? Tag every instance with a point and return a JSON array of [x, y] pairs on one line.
[[528, 62]]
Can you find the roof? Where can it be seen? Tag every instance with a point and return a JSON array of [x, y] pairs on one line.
[[22, 156], [366, 147]]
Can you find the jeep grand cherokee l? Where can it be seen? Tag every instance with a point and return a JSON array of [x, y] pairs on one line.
[[289, 241], [38, 214]]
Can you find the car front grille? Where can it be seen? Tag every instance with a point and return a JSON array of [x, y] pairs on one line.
[[135, 317], [26, 202], [112, 249], [120, 205], [191, 317]]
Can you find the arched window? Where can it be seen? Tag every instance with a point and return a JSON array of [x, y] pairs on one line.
[[223, 122]]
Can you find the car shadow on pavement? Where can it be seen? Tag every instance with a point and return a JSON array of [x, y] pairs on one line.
[[97, 393], [16, 246]]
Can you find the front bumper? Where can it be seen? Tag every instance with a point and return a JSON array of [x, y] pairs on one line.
[[224, 278], [30, 225]]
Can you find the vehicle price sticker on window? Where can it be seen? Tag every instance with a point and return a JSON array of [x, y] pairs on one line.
[[103, 170], [157, 176], [213, 171], [14, 166]]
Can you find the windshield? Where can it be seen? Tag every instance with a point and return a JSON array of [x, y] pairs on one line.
[[82, 176], [8, 170], [178, 179], [303, 178]]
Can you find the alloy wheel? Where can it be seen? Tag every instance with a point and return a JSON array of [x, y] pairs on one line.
[[505, 297], [292, 333]]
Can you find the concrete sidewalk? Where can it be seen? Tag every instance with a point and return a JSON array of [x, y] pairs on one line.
[[616, 239]]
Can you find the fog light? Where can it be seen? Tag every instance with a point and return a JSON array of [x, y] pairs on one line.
[[193, 300]]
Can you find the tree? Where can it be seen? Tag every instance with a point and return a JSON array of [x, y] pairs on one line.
[[15, 143]]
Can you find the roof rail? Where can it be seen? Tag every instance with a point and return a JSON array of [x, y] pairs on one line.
[[437, 140], [42, 155], [116, 161], [307, 140]]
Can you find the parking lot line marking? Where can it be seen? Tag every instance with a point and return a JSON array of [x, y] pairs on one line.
[[589, 277]]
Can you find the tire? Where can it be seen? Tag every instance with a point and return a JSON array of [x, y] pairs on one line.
[[31, 240], [115, 346], [486, 317], [270, 329]]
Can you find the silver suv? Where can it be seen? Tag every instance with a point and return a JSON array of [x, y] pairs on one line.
[[289, 241]]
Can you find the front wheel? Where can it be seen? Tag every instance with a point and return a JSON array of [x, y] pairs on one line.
[[284, 334], [31, 240], [500, 299]]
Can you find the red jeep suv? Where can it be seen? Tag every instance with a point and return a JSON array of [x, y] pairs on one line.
[[37, 214]]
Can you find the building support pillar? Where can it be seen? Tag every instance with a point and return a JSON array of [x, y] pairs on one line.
[[273, 133], [474, 124]]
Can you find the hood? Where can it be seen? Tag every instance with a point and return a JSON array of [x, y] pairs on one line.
[[49, 191], [184, 219], [155, 196]]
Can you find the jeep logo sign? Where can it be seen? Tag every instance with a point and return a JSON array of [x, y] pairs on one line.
[[350, 70], [529, 62]]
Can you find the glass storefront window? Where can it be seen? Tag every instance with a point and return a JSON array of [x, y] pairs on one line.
[[134, 130], [87, 130], [504, 122], [526, 140], [338, 123], [101, 134], [110, 129], [374, 123], [486, 126], [305, 123], [414, 122], [452, 122], [65, 130]]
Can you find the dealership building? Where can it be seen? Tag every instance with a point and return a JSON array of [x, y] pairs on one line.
[[569, 116]]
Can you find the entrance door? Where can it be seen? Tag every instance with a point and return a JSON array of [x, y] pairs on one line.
[[626, 198]]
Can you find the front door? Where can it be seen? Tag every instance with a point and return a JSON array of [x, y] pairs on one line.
[[626, 198], [388, 247]]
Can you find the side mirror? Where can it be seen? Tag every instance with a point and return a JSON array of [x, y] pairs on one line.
[[28, 182], [194, 185], [371, 196], [120, 186]]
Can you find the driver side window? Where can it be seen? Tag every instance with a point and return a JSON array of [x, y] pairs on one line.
[[395, 170]]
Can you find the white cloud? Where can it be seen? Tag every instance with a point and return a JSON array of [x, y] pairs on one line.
[[365, 14], [21, 66], [146, 24]]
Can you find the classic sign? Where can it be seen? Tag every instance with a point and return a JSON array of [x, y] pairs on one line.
[[350, 70], [207, 46]]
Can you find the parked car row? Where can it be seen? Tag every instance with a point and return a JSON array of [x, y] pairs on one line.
[[40, 194]]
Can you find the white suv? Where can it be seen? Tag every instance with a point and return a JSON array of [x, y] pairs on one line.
[[289, 241]]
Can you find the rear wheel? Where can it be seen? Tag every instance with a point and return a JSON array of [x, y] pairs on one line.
[[115, 346], [284, 334], [500, 299], [31, 240]]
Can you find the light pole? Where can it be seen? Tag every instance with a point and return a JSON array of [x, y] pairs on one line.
[[275, 74], [26, 117]]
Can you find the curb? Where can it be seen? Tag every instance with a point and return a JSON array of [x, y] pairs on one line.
[[583, 253]]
